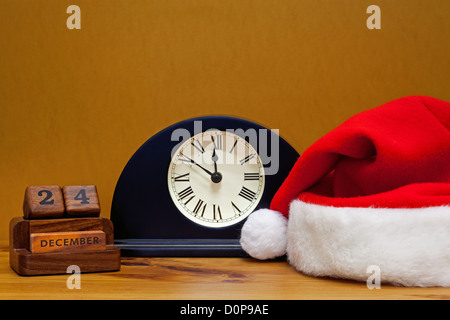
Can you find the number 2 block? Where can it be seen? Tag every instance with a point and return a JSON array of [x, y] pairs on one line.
[[43, 202], [81, 201]]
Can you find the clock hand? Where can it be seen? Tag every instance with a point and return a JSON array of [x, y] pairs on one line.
[[192, 161], [216, 177], [215, 158]]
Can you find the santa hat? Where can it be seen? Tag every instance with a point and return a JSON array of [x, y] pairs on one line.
[[375, 191]]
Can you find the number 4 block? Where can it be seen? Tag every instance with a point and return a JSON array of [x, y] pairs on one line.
[[81, 201]]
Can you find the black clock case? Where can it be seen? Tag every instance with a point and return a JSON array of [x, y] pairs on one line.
[[146, 221]]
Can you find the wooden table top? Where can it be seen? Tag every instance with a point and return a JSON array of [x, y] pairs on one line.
[[198, 278]]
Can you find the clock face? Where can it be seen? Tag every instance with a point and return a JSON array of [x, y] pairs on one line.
[[216, 178]]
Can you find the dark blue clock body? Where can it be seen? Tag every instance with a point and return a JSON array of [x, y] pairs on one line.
[[147, 222]]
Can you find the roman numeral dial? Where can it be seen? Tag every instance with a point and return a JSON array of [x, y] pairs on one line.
[[247, 194], [216, 178]]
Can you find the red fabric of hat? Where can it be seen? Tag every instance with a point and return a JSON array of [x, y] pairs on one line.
[[381, 172]]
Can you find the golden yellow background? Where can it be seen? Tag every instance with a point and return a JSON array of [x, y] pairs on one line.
[[76, 104]]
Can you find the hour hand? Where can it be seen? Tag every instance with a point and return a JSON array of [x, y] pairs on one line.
[[214, 155], [216, 177], [215, 158]]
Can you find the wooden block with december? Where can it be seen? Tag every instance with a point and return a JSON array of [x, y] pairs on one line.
[[81, 201], [25, 262], [43, 202], [67, 241]]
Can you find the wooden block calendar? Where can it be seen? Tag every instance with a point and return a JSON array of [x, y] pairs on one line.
[[62, 227], [67, 241]]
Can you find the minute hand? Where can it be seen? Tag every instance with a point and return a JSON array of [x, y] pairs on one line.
[[192, 161]]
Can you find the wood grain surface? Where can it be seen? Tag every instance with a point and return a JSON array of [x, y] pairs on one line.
[[198, 278]]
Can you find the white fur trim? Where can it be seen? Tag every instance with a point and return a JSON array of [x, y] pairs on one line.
[[264, 234], [411, 247]]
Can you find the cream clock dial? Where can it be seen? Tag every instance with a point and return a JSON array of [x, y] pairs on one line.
[[216, 178]]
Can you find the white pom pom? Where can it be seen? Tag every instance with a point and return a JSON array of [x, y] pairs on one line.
[[264, 234]]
